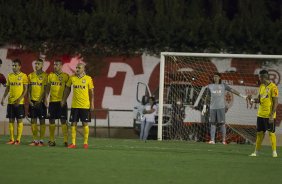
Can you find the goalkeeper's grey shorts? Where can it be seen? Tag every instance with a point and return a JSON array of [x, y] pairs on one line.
[[217, 116]]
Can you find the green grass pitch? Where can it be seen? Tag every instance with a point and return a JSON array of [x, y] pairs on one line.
[[124, 161]]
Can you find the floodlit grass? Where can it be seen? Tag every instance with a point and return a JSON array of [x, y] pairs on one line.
[[131, 161]]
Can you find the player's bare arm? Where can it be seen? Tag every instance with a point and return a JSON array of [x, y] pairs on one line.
[[29, 95], [47, 92], [274, 107], [66, 95], [5, 95], [91, 96]]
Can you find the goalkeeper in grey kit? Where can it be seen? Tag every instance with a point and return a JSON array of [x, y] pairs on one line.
[[217, 106]]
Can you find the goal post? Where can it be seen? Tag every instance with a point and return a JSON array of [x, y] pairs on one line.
[[184, 77]]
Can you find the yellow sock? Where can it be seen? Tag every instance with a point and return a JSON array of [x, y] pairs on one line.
[[65, 132], [11, 130], [86, 134], [73, 135], [19, 130], [42, 131], [272, 138], [34, 130], [260, 136], [52, 132]]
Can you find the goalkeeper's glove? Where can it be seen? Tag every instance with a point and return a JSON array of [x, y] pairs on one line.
[[204, 110]]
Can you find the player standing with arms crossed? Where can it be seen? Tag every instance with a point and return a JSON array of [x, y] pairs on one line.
[[56, 84], [82, 102]]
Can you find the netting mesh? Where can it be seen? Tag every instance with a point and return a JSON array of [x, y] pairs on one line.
[[185, 81]]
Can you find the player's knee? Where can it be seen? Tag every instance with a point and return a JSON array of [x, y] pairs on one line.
[[271, 134]]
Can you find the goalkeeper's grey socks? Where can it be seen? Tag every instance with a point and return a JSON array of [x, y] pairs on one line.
[[213, 129], [223, 131]]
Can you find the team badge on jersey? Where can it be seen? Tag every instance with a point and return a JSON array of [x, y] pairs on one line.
[[19, 78], [83, 81], [40, 78], [60, 78]]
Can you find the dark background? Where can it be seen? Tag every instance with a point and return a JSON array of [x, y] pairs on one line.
[[114, 27]]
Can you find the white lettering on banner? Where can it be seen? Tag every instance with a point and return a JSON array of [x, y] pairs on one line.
[[116, 88], [229, 82], [120, 101], [127, 98]]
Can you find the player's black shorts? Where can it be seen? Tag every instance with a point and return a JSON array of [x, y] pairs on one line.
[[57, 112], [264, 125], [15, 111], [37, 111], [77, 114]]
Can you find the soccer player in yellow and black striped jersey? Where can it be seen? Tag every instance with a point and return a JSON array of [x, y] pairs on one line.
[[17, 89], [268, 100], [82, 102], [55, 86], [37, 108]]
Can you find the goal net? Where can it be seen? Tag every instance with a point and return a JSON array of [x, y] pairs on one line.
[[183, 87]]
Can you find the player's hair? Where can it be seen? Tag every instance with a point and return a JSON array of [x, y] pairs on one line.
[[40, 60], [218, 74], [0, 61], [264, 73], [144, 100], [82, 64], [153, 99], [58, 61], [18, 61]]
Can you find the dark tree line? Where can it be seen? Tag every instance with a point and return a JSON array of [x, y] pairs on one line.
[[109, 27]]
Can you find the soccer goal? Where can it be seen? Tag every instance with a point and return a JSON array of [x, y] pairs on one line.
[[183, 82]]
